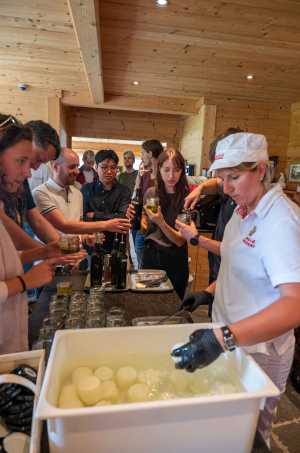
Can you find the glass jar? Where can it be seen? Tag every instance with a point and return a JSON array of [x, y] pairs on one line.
[[185, 217], [74, 323], [94, 323], [64, 288], [152, 204], [116, 310], [115, 320]]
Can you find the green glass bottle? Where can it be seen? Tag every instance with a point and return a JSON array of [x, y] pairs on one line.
[[122, 265], [97, 262]]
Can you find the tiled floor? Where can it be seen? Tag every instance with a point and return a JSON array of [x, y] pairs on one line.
[[286, 430]]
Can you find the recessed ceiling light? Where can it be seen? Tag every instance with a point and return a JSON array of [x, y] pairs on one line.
[[162, 2], [250, 76], [135, 82]]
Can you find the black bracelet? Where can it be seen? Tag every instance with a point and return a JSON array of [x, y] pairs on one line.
[[24, 287]]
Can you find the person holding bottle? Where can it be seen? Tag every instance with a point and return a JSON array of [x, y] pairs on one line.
[[257, 292], [165, 248], [151, 150]]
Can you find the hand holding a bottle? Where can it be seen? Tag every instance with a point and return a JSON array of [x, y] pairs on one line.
[[117, 225], [130, 213]]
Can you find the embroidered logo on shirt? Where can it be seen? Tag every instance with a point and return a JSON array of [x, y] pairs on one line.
[[219, 156], [247, 240]]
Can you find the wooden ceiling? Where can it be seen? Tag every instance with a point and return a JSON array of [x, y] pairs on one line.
[[181, 54], [38, 46]]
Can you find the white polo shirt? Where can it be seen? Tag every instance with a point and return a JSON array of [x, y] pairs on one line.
[[50, 196], [259, 252]]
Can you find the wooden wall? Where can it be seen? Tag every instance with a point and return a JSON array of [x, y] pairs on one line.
[[25, 106], [191, 140], [35, 104], [293, 152], [270, 119], [100, 123], [81, 146], [279, 122]]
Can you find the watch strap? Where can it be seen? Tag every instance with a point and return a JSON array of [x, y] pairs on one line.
[[228, 338]]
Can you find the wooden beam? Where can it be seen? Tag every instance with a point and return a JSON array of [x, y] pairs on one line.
[[54, 112], [209, 125], [152, 104], [85, 18]]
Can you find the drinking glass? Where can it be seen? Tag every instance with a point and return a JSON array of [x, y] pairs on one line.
[[152, 204], [184, 217]]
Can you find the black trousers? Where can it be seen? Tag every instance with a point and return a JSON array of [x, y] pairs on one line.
[[173, 260]]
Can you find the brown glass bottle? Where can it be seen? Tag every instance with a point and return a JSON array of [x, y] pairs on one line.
[[97, 262], [113, 260], [122, 265]]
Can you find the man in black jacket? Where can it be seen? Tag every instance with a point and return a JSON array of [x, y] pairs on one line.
[[105, 199]]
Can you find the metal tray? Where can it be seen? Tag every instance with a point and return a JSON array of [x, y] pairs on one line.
[[163, 287]]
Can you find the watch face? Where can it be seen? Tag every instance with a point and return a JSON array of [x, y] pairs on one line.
[[194, 240]]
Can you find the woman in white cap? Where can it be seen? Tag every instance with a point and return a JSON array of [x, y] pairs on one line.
[[257, 292]]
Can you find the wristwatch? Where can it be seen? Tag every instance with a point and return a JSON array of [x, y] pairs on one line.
[[228, 338], [195, 239]]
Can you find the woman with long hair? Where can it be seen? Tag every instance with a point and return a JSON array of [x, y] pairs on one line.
[[15, 155], [165, 248]]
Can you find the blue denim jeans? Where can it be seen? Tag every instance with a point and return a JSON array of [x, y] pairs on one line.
[[139, 244]]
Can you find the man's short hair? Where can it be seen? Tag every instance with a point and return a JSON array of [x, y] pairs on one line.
[[213, 145], [88, 155], [44, 135], [130, 153], [153, 146], [106, 154]]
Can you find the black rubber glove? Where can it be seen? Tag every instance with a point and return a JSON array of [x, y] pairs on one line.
[[202, 349], [194, 300]]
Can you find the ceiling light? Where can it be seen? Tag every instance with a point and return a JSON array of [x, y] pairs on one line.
[[135, 82], [162, 2], [250, 76]]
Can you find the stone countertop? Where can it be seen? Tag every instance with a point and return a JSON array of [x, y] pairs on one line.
[[136, 303]]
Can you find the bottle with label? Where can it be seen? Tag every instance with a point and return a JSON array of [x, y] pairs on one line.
[[97, 262], [113, 259], [122, 265]]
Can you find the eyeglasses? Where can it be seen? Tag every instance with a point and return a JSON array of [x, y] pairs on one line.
[[10, 121], [105, 168]]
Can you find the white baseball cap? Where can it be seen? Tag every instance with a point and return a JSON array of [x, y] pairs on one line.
[[239, 148]]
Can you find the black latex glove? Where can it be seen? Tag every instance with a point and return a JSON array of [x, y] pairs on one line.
[[202, 349], [194, 300]]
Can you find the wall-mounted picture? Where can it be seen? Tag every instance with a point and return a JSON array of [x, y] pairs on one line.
[[294, 172]]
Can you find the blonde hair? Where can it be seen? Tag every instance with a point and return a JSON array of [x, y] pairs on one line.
[[252, 166]]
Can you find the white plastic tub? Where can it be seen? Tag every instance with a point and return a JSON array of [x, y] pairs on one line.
[[225, 423], [35, 359]]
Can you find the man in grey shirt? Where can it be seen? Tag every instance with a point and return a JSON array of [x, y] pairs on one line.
[[128, 177]]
